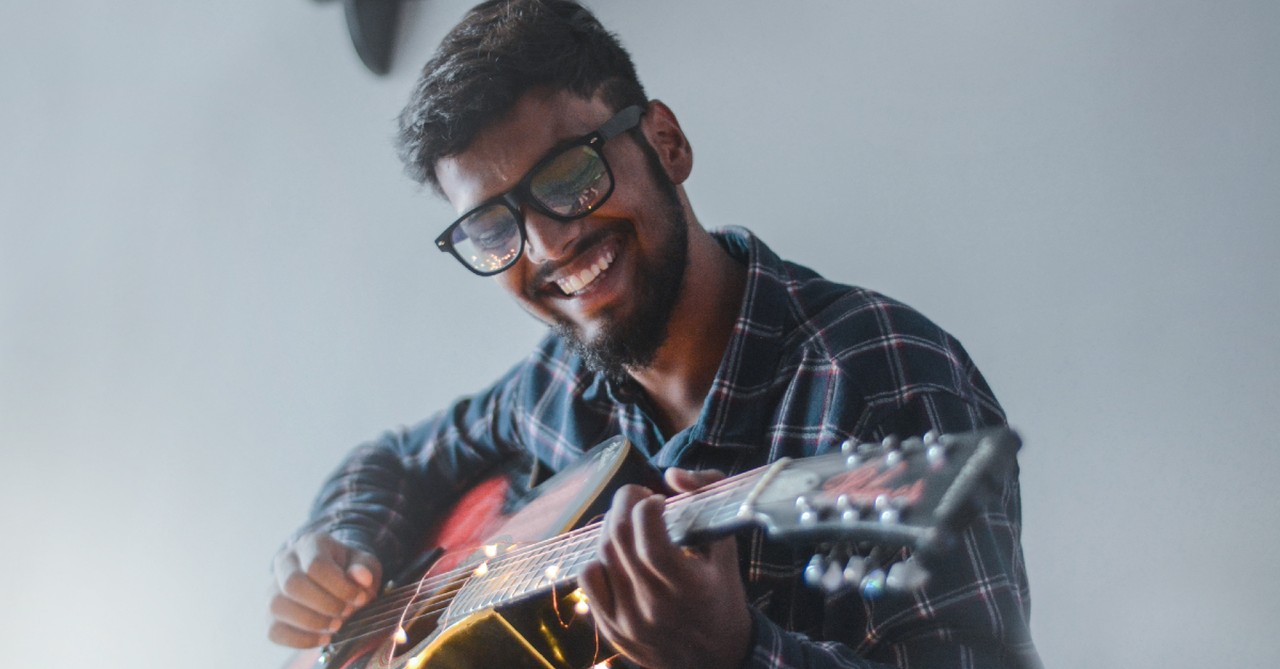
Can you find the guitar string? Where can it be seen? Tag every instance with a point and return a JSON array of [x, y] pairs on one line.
[[534, 553], [389, 611], [394, 610], [536, 549], [512, 566]]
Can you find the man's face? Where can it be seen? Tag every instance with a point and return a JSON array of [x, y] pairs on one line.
[[607, 282]]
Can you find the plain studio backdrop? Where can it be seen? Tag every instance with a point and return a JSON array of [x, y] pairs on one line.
[[216, 281]]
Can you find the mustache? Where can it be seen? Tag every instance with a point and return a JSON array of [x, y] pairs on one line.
[[543, 272]]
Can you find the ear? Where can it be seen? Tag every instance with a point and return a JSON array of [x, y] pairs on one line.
[[667, 139]]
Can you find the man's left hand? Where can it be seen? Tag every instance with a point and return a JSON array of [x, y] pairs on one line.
[[662, 605]]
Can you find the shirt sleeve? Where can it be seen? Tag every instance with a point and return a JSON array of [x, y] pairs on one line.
[[388, 491]]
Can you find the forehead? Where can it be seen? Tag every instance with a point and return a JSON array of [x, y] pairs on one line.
[[502, 153]]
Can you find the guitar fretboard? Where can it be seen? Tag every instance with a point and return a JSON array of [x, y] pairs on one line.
[[516, 572]]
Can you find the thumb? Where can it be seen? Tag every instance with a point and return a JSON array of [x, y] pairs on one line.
[[365, 570], [688, 480]]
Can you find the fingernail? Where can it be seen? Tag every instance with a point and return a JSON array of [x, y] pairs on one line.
[[361, 575]]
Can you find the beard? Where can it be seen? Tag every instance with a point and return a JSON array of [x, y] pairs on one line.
[[633, 341]]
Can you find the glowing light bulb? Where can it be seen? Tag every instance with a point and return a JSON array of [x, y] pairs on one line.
[[402, 637], [552, 571], [491, 550], [582, 608], [482, 569]]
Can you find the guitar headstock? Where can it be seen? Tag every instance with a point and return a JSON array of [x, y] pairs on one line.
[[871, 500]]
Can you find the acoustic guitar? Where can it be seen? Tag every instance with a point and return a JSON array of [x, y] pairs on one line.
[[500, 587]]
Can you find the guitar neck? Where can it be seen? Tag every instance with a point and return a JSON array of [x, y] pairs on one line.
[[515, 572]]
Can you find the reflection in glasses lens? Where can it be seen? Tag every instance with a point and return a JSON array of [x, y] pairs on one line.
[[569, 185], [489, 238], [572, 183]]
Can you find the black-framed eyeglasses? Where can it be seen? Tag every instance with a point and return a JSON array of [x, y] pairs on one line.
[[572, 181]]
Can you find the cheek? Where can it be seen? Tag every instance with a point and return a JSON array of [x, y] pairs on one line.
[[515, 283], [511, 281]]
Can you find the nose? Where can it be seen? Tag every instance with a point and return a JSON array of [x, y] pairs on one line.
[[546, 239]]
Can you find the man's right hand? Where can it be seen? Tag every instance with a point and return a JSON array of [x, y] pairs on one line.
[[319, 582]]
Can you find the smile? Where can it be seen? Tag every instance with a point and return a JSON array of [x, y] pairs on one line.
[[575, 283]]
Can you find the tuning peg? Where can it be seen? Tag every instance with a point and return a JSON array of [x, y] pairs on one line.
[[814, 570], [890, 509], [893, 447], [852, 454], [872, 586], [854, 570], [905, 576], [912, 446], [848, 512], [833, 578], [808, 515], [936, 455]]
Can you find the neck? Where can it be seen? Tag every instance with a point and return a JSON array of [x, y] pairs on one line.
[[698, 333]]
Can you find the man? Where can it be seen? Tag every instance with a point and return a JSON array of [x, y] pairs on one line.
[[708, 352]]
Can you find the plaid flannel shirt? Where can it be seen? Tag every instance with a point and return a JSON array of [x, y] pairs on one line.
[[810, 364]]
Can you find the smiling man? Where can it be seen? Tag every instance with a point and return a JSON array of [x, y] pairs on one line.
[[707, 351]]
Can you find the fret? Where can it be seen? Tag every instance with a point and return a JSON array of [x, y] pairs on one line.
[[523, 568], [526, 566], [527, 569], [492, 585]]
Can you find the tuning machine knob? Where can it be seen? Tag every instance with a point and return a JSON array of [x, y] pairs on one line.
[[906, 576], [853, 453], [854, 571], [814, 570], [889, 510], [873, 584], [808, 514], [849, 514]]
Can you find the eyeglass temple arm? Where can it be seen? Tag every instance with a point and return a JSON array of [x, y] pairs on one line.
[[621, 122]]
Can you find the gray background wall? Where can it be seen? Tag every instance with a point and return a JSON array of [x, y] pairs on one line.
[[215, 281]]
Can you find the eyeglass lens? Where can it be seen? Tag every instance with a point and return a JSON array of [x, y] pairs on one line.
[[569, 185]]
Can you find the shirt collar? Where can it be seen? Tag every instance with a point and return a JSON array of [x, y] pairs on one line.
[[737, 409]]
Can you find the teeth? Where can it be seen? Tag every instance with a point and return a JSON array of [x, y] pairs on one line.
[[576, 282]]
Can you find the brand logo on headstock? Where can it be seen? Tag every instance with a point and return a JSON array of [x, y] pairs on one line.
[[864, 484]]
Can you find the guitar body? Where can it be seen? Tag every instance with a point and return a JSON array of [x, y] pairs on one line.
[[541, 631]]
